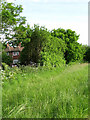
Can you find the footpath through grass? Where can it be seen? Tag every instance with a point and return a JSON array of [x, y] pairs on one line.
[[47, 94]]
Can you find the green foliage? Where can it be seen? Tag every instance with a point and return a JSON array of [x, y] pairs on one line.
[[87, 53], [44, 49], [75, 52], [39, 46], [25, 55], [6, 59], [22, 34], [53, 52], [38, 39], [5, 67], [9, 74], [11, 18], [32, 49], [73, 49]]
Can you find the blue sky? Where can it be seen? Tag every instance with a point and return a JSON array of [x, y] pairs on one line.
[[67, 14]]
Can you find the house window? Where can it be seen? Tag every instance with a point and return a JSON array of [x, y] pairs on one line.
[[15, 61], [15, 53], [7, 53]]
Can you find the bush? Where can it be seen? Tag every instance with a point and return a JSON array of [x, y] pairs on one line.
[[52, 54], [73, 50], [5, 66], [32, 49], [6, 59], [87, 54], [52, 49]]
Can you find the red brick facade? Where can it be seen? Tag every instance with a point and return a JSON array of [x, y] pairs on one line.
[[14, 52]]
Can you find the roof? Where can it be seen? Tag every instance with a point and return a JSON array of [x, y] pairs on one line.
[[12, 49]]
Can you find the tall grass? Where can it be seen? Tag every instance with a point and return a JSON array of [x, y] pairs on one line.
[[47, 93]]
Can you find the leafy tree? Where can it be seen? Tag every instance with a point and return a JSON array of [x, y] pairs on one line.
[[33, 48], [22, 34], [43, 48], [75, 52], [24, 56], [73, 49], [11, 18]]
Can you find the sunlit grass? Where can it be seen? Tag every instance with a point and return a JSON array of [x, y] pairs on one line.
[[47, 94]]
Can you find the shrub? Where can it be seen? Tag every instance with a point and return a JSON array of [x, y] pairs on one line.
[[87, 53], [52, 54], [74, 50], [6, 59]]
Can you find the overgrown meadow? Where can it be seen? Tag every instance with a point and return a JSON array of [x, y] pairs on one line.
[[41, 93], [53, 87]]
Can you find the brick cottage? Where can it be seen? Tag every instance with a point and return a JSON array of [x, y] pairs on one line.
[[14, 52]]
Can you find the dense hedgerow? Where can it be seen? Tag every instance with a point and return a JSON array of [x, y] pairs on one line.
[[52, 49], [74, 51], [44, 49], [53, 52]]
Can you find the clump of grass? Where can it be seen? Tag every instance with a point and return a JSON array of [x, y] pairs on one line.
[[47, 94]]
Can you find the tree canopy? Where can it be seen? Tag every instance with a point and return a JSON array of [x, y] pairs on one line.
[[73, 49], [50, 48], [11, 18]]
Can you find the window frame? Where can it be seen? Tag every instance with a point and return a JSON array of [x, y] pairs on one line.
[[15, 53], [7, 53], [15, 61]]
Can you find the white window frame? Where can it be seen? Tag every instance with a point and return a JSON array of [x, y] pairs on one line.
[[15, 53], [15, 61], [7, 53]]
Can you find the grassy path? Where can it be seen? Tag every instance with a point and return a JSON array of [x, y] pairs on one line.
[[48, 94]]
